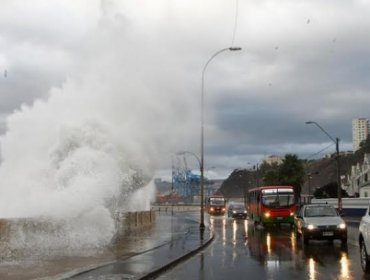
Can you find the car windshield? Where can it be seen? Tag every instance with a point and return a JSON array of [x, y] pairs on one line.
[[320, 211], [238, 207]]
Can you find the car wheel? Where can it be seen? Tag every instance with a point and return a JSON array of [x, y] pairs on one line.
[[365, 264], [304, 238]]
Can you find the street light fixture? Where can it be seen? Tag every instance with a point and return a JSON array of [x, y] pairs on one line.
[[201, 225], [336, 141]]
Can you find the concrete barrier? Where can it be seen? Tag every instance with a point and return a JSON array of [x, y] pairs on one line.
[[25, 228], [352, 207], [128, 221]]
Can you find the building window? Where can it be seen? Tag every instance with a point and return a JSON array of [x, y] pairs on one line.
[[365, 194]]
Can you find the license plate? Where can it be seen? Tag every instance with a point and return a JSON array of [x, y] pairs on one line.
[[327, 233], [279, 218]]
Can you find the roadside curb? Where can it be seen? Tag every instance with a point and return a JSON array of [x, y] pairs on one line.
[[155, 273]]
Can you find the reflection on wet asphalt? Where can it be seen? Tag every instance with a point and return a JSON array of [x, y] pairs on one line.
[[242, 249]]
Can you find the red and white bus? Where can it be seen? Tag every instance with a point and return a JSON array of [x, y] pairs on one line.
[[216, 205], [271, 205]]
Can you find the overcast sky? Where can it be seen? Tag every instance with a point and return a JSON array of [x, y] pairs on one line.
[[138, 65]]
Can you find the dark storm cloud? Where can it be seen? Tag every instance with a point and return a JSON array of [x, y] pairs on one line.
[[301, 60]]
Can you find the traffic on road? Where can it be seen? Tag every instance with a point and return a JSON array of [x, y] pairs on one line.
[[242, 247]]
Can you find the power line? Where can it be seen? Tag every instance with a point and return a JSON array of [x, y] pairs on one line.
[[319, 152]]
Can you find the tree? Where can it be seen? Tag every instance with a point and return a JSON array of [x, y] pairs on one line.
[[271, 177], [365, 145], [291, 172], [329, 191], [270, 174]]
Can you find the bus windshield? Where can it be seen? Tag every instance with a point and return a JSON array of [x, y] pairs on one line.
[[217, 201], [277, 200]]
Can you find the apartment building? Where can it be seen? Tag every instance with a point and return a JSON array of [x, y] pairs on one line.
[[360, 131], [273, 159]]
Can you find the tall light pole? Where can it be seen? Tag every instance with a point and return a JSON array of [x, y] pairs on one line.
[[309, 177], [201, 226], [336, 141]]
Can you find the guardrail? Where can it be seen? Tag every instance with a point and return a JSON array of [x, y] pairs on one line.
[[352, 207]]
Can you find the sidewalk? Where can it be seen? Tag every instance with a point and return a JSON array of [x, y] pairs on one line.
[[171, 240]]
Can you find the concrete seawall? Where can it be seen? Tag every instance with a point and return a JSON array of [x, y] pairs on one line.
[[128, 221], [31, 229]]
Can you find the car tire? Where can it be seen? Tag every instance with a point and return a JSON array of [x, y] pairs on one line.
[[304, 238], [365, 263]]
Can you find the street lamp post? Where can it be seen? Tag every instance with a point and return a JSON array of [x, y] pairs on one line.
[[201, 225], [309, 177], [336, 141]]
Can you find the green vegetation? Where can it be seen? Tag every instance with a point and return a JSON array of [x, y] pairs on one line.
[[329, 191], [291, 172]]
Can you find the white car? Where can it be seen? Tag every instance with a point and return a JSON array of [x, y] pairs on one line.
[[320, 222], [364, 241]]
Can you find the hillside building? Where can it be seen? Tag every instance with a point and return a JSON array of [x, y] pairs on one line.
[[273, 159], [360, 132]]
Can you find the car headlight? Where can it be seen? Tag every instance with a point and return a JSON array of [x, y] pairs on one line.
[[267, 214], [291, 213], [311, 227], [212, 209], [341, 226], [245, 211], [234, 212]]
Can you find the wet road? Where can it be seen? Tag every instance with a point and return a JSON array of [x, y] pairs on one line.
[[241, 250]]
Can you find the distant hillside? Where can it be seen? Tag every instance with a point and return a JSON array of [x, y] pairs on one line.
[[239, 181], [324, 172]]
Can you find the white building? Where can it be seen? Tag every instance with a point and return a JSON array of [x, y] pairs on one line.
[[360, 132], [273, 159], [359, 179]]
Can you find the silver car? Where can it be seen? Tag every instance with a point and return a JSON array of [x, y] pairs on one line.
[[320, 222]]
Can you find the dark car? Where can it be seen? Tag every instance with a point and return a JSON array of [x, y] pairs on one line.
[[237, 211], [321, 222]]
